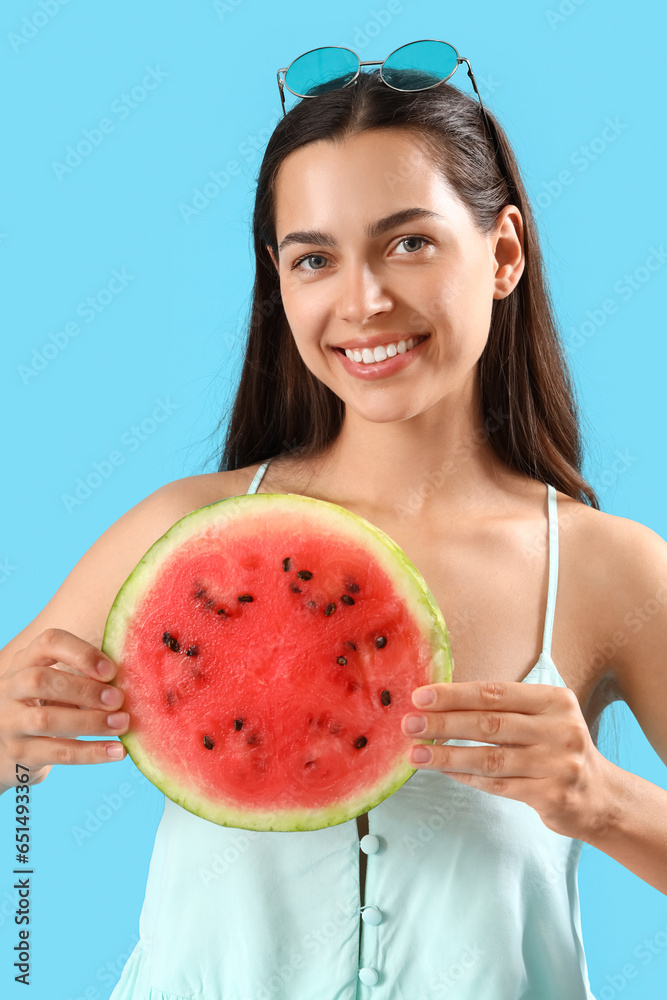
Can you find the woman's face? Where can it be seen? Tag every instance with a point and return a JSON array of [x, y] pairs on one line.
[[343, 284]]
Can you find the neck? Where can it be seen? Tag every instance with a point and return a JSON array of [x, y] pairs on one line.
[[437, 461]]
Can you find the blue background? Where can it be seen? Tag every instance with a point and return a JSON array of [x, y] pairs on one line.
[[554, 73]]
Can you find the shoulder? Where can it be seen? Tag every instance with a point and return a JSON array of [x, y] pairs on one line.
[[620, 566], [607, 540], [83, 600], [191, 492]]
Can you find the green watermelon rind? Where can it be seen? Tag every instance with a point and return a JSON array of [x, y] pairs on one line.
[[407, 581]]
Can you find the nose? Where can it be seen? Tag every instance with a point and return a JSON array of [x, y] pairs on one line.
[[361, 294]]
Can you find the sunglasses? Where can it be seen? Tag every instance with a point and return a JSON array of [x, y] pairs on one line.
[[416, 66]]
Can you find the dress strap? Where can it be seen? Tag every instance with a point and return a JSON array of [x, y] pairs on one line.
[[553, 569], [254, 486]]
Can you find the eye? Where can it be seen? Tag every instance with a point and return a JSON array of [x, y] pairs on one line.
[[310, 256], [407, 239], [318, 256]]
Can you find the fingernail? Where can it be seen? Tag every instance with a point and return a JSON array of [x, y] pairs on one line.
[[105, 669], [415, 724], [116, 750], [426, 696], [420, 755], [111, 697], [118, 720]]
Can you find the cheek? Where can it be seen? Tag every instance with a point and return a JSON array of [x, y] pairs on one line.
[[303, 312], [460, 304]]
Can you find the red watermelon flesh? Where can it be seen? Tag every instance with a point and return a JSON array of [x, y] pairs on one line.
[[268, 646]]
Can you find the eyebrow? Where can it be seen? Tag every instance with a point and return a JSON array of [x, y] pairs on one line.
[[373, 230]]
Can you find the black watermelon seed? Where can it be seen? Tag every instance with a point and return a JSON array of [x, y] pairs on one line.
[[380, 642], [171, 697], [254, 739], [173, 644], [191, 651], [350, 645], [330, 608], [341, 660], [361, 742], [346, 599], [208, 743], [198, 593], [295, 590], [245, 597], [385, 697], [354, 587], [221, 611], [305, 574], [238, 724], [287, 564]]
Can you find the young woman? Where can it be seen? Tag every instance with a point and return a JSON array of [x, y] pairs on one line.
[[402, 361]]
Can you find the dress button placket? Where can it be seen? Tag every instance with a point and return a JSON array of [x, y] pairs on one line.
[[370, 844], [371, 914], [368, 976]]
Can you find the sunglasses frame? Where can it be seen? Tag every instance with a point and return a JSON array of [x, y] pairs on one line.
[[380, 62]]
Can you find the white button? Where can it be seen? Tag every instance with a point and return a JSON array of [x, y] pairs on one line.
[[368, 977], [371, 915], [369, 844]]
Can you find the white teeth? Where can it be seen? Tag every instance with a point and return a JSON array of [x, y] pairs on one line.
[[381, 352]]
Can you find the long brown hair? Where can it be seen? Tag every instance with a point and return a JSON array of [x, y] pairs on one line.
[[528, 402]]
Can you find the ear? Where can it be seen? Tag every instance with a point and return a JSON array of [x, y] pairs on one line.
[[272, 257], [507, 248]]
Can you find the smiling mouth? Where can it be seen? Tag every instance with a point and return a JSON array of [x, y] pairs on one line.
[[417, 341]]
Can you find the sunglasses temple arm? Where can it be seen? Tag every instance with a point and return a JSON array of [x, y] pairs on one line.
[[486, 117], [281, 87]]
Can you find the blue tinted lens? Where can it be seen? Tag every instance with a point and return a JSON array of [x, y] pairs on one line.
[[419, 65], [321, 70]]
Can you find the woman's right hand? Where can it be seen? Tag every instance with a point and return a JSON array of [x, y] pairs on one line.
[[43, 708]]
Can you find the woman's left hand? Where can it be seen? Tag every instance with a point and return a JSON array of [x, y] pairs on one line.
[[545, 756]]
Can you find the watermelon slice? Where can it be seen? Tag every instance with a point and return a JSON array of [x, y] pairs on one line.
[[268, 646]]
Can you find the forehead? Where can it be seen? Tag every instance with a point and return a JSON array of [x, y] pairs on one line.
[[360, 178]]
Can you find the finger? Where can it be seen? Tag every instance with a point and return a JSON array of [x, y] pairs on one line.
[[55, 645], [49, 720], [38, 751], [63, 688], [520, 789], [488, 762], [504, 696], [484, 727]]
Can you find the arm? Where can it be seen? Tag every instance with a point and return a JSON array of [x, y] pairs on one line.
[[554, 766], [79, 609], [635, 830]]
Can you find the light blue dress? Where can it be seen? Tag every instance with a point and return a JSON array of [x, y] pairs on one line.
[[468, 895]]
